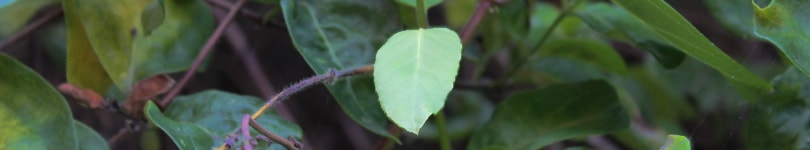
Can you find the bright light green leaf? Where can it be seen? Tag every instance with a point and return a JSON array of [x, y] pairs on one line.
[[673, 27], [784, 23], [344, 34], [592, 52], [677, 142], [88, 138], [33, 114], [220, 113], [126, 51], [414, 72], [16, 13], [536, 118], [185, 135], [428, 3], [619, 25]]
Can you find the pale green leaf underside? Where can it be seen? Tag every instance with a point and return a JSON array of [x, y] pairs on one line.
[[784, 23], [414, 72], [673, 27]]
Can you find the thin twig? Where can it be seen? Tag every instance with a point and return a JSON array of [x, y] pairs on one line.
[[242, 50], [54, 13], [251, 15], [246, 133], [118, 136], [203, 53], [475, 19], [297, 87], [287, 143]]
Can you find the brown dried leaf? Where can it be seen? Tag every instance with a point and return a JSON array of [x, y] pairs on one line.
[[92, 99], [144, 90]]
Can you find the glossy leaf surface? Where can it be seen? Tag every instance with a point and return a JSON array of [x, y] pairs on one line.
[[220, 113], [344, 34], [130, 51], [185, 135], [619, 25], [536, 118], [671, 26], [34, 115], [784, 23], [414, 72]]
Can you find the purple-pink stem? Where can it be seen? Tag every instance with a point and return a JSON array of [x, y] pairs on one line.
[[246, 133]]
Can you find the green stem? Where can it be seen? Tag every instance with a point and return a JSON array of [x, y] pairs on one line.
[[534, 49], [421, 17], [444, 139]]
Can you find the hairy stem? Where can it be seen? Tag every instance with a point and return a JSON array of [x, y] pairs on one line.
[[246, 133], [287, 143], [209, 45], [306, 83]]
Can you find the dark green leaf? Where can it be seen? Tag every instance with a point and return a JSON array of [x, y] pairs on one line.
[[185, 135], [619, 25], [88, 138], [592, 52], [736, 15], [671, 26], [33, 114], [414, 72], [781, 122], [344, 34], [560, 70], [221, 113], [126, 51], [784, 23], [533, 119], [677, 142]]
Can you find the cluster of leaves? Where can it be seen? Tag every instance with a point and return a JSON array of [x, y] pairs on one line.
[[580, 85]]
